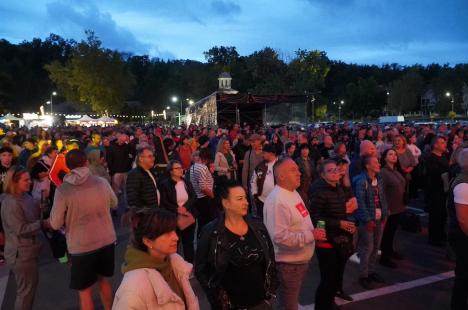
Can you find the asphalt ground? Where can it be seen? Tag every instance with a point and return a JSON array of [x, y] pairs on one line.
[[423, 280]]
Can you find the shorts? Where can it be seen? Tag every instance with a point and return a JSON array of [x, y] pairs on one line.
[[85, 268]]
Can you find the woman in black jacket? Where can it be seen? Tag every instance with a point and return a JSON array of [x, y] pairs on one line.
[[331, 203], [178, 196], [235, 261]]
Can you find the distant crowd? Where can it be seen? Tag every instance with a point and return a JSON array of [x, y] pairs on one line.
[[246, 206]]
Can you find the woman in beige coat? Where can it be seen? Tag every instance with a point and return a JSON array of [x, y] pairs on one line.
[[155, 277]]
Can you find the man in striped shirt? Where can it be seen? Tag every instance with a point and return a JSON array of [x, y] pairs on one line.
[[202, 182]]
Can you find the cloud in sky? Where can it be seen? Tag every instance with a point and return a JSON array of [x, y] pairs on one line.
[[361, 31]]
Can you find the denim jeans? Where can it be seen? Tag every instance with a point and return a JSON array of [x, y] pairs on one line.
[[368, 247], [290, 278]]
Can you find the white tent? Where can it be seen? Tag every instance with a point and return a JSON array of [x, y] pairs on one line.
[[85, 119], [107, 120], [10, 117]]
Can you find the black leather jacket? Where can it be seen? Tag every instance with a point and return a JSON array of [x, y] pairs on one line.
[[213, 258]]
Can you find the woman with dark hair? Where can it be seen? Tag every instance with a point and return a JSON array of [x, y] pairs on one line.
[[289, 150], [276, 142], [178, 196], [394, 186], [235, 261], [155, 276], [22, 225]]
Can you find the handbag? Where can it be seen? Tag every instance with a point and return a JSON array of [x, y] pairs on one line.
[[185, 220]]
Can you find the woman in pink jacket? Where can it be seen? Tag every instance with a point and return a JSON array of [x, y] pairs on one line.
[[155, 277]]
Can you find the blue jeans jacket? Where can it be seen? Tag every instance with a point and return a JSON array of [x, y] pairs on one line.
[[365, 198]]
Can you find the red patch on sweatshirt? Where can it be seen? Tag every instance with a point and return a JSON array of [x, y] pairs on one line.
[[302, 209]]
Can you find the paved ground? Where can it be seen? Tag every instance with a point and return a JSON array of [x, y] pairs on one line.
[[422, 281]]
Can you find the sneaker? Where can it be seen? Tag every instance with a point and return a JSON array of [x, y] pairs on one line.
[[63, 260], [397, 256], [387, 262], [376, 278], [366, 283], [344, 296]]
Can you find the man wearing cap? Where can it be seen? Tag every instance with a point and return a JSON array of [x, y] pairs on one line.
[[252, 158], [307, 169], [262, 181]]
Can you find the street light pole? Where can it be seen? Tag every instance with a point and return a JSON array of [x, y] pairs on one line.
[[386, 106], [174, 100], [54, 93], [448, 94], [340, 104]]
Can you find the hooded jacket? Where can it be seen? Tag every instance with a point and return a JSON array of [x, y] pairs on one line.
[[143, 287], [82, 204]]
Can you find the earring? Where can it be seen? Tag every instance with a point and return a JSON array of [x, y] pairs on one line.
[[151, 247]]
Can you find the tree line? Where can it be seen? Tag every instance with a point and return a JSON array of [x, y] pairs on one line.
[[90, 76]]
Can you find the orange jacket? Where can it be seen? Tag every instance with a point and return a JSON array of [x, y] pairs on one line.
[[59, 170]]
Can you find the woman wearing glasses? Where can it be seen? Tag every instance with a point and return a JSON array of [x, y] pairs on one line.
[[178, 196], [155, 277], [22, 225], [331, 203]]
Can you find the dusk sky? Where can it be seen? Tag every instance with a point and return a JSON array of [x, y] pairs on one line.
[[357, 31]]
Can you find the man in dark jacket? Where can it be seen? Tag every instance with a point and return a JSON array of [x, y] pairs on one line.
[[142, 189], [263, 181], [436, 164], [119, 161], [307, 169]]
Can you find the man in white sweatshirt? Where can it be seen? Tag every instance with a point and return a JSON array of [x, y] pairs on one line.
[[290, 228]]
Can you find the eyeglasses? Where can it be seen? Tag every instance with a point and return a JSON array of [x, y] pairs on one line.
[[334, 170]]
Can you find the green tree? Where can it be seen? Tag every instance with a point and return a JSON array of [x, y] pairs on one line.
[[307, 71], [224, 56], [93, 75], [405, 93], [267, 71], [321, 112], [365, 98]]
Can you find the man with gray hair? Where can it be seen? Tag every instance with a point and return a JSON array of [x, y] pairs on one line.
[[291, 231], [457, 209], [366, 148]]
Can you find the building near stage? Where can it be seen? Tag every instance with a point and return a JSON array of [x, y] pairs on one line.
[[228, 106]]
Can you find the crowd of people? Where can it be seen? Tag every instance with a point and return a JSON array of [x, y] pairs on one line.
[[247, 207]]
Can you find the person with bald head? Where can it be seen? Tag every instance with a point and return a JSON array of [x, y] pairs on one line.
[[290, 228], [366, 148]]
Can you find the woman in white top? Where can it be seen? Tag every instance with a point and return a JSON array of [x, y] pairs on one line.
[[413, 147], [178, 196], [415, 180], [225, 161], [155, 277]]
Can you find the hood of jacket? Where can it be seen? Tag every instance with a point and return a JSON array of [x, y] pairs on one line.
[[136, 259], [77, 176]]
